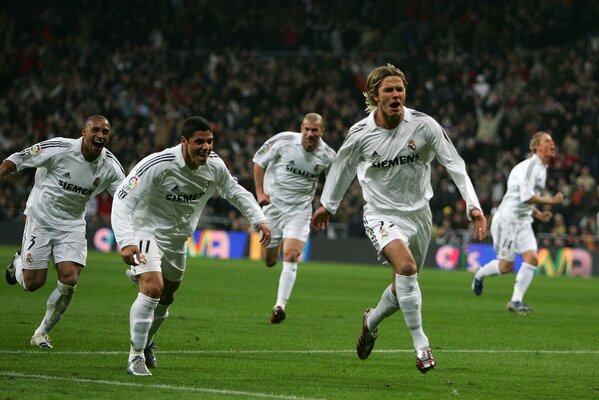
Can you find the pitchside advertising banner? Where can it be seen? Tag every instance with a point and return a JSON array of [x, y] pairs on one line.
[[203, 243], [563, 261]]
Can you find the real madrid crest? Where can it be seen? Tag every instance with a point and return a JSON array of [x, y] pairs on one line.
[[411, 145], [384, 233]]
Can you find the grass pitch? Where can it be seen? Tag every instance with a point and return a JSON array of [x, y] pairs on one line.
[[218, 342]]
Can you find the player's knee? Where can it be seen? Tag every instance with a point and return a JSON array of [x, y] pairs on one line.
[[33, 280], [506, 267], [291, 256], [68, 273], [152, 290], [32, 284], [406, 268], [532, 260], [70, 279]]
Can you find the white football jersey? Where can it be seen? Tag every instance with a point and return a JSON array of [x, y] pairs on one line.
[[394, 166], [163, 198], [292, 172], [65, 181], [526, 179]]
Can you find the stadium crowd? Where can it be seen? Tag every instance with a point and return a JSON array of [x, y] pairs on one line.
[[493, 74]]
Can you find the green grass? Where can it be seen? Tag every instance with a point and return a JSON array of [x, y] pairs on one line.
[[218, 343]]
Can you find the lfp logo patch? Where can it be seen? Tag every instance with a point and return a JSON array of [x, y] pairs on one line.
[[133, 181], [36, 148], [265, 147]]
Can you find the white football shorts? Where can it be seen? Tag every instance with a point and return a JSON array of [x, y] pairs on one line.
[[414, 229], [40, 245], [512, 237], [171, 263], [285, 226]]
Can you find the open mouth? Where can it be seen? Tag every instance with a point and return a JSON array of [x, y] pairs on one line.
[[395, 105], [98, 144]]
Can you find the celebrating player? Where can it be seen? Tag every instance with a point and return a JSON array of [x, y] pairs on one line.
[[156, 209], [391, 150], [286, 171], [511, 227], [69, 173]]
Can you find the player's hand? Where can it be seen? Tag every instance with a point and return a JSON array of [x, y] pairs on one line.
[[558, 198], [266, 235], [320, 219], [132, 256], [545, 216], [480, 224], [263, 199]]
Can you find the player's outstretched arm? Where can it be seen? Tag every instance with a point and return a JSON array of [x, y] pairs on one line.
[[557, 198]]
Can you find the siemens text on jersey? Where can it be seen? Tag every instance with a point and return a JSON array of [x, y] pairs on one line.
[[183, 198], [74, 188], [297, 171], [396, 161]]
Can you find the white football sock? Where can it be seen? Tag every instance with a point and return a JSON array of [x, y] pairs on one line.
[[160, 315], [489, 269], [140, 321], [387, 306], [18, 264], [57, 304], [286, 282], [523, 280], [410, 302]]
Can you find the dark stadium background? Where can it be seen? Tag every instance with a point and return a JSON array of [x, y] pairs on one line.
[[254, 68]]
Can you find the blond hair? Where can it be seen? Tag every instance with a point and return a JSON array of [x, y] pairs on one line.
[[374, 80], [535, 140]]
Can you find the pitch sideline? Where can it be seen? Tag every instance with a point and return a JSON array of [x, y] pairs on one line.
[[155, 386], [315, 351]]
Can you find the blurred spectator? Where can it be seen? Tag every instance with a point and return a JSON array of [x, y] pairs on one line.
[[559, 226], [487, 133], [168, 59], [586, 180]]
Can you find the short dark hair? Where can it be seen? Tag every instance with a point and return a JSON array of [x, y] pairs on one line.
[[95, 116], [194, 124]]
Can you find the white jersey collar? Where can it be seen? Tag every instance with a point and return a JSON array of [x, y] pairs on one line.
[[181, 161], [77, 146], [179, 156]]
